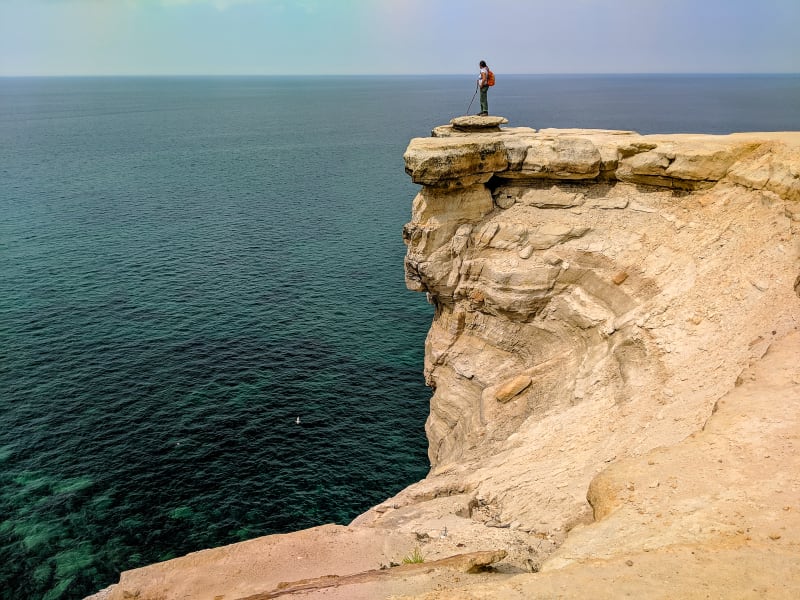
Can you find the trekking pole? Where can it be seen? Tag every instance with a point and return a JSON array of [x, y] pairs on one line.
[[473, 98]]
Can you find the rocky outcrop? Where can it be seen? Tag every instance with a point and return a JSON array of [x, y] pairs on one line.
[[330, 561], [477, 123], [714, 516], [598, 296], [596, 292]]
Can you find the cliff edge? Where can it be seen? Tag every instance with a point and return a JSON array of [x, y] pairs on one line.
[[614, 359]]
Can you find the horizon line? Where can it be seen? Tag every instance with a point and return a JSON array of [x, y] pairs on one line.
[[468, 74]]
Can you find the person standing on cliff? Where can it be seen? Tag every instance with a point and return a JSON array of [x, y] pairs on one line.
[[483, 85]]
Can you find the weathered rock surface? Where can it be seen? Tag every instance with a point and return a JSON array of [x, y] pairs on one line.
[[715, 516], [597, 294], [263, 564], [475, 123], [615, 292], [331, 561], [534, 288]]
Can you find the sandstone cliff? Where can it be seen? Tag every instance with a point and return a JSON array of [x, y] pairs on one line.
[[598, 294]]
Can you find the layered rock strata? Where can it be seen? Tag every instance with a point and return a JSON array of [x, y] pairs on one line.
[[715, 516], [596, 292], [597, 295]]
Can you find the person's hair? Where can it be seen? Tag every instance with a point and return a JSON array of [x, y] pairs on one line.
[[483, 63]]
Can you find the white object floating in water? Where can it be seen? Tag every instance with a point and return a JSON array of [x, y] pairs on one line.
[[297, 420]]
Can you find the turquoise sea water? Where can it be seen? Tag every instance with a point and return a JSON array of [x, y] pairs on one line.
[[189, 264]]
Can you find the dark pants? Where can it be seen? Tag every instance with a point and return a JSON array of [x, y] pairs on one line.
[[484, 99]]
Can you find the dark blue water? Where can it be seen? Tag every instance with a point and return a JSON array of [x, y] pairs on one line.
[[188, 264]]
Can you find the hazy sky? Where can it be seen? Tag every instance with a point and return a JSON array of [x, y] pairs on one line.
[[77, 37]]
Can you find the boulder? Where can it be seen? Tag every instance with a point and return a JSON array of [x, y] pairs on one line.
[[476, 123]]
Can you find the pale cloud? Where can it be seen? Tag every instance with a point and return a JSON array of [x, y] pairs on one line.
[[307, 6], [218, 4]]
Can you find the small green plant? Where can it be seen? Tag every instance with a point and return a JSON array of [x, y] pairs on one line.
[[414, 558]]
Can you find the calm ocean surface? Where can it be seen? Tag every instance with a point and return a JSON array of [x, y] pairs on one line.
[[188, 264]]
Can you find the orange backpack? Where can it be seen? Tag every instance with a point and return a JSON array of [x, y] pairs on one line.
[[490, 78]]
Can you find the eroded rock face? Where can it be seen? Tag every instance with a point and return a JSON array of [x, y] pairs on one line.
[[595, 292], [715, 515]]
